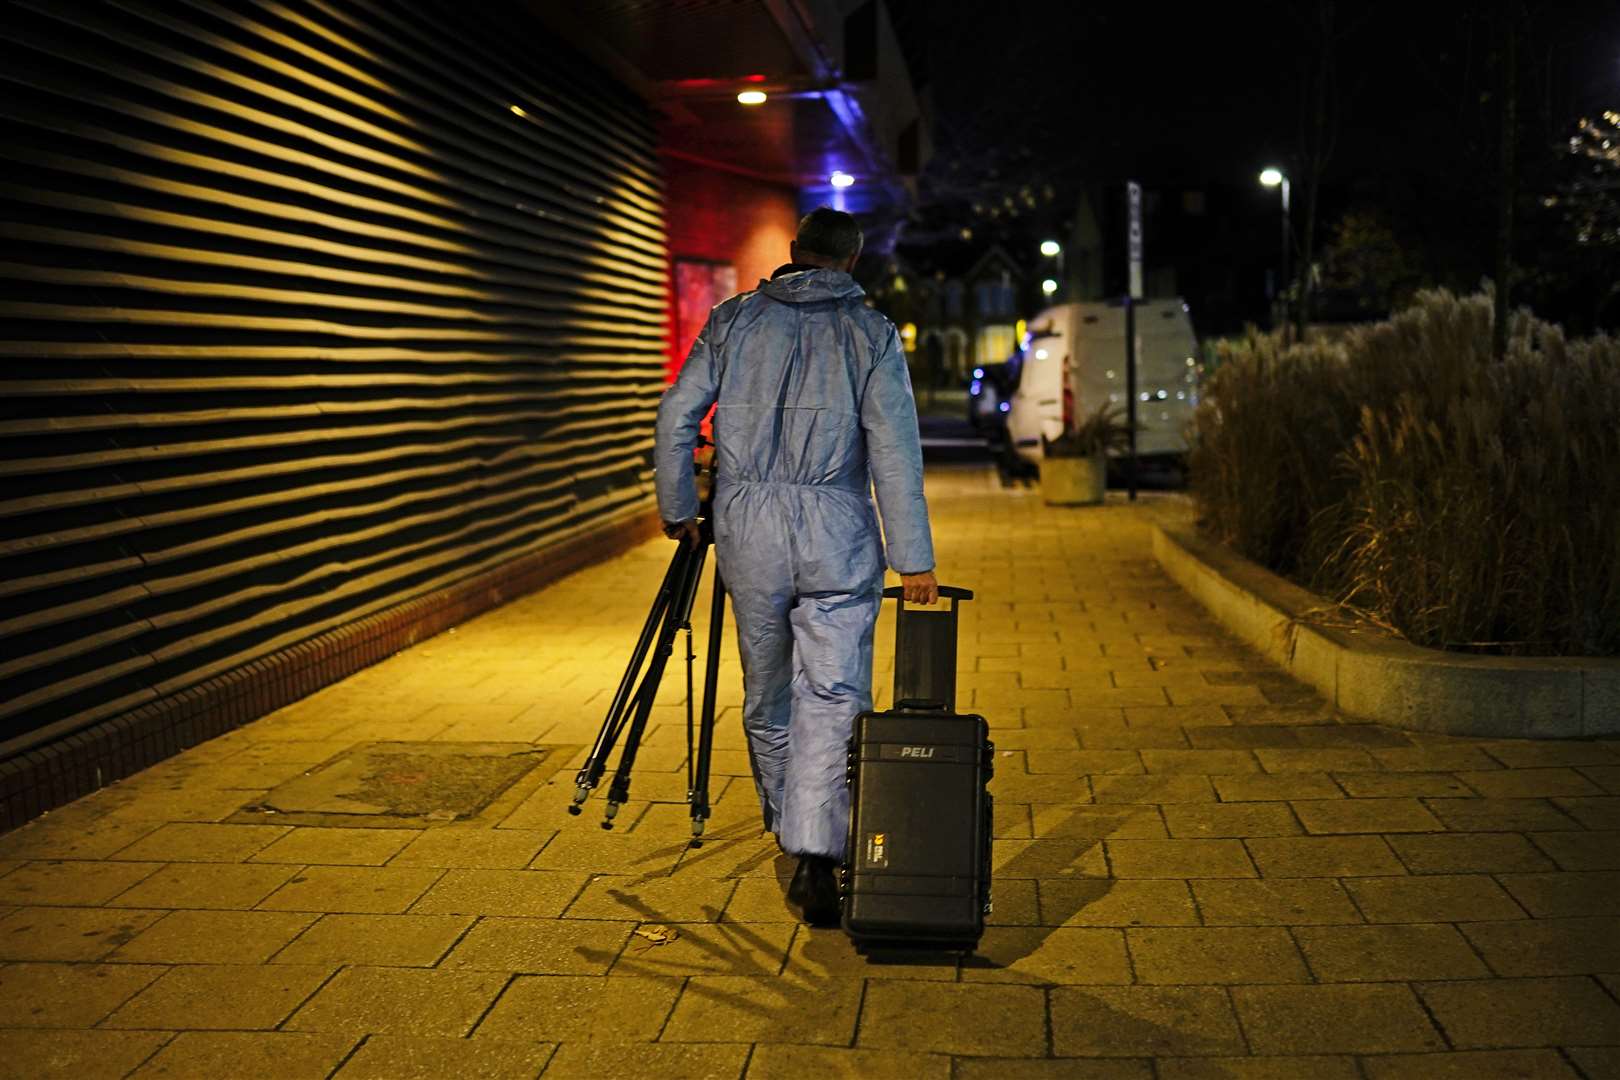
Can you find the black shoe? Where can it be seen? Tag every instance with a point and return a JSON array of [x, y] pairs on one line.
[[814, 890]]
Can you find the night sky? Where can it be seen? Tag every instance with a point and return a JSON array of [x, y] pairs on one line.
[[1203, 96]]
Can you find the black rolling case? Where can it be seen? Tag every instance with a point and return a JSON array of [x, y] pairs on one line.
[[917, 864]]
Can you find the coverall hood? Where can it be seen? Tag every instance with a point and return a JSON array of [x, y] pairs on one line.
[[809, 285]]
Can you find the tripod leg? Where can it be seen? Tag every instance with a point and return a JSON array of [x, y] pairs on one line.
[[596, 763], [675, 616], [711, 685]]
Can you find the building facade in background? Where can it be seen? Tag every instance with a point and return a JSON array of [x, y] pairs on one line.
[[328, 325]]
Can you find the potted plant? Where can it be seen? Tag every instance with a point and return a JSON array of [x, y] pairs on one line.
[[1075, 472]]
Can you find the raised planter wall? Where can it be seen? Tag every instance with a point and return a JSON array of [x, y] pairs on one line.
[[1369, 674]]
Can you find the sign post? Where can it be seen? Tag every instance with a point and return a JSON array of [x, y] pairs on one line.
[[1133, 236]]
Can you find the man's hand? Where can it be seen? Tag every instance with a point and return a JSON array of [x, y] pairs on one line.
[[920, 588], [679, 530]]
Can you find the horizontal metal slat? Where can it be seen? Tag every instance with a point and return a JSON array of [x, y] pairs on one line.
[[471, 197], [391, 126], [433, 234], [304, 322]]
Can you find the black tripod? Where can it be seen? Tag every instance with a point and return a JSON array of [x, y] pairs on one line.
[[671, 612]]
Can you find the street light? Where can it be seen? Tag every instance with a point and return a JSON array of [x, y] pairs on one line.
[[751, 97], [1049, 286], [841, 179], [1050, 248], [1275, 177]]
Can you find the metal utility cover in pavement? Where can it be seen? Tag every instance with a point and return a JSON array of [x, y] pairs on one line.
[[381, 783]]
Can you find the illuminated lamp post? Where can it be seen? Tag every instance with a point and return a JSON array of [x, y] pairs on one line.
[[1053, 250], [1275, 177]]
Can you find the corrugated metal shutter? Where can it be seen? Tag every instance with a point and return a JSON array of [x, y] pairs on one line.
[[310, 308]]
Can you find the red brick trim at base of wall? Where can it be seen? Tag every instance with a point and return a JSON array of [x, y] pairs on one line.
[[59, 772]]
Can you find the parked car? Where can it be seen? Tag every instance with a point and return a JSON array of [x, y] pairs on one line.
[[1086, 343], [988, 396]]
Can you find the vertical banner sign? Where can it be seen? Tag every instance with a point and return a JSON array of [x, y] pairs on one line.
[[1133, 238]]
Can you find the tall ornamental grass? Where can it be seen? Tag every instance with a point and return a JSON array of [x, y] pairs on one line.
[[1467, 502]]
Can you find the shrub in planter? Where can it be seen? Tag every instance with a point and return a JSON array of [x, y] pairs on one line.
[[1075, 470], [1469, 502]]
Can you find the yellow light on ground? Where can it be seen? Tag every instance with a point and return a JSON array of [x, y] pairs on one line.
[[518, 111], [1271, 177], [1050, 247], [751, 97], [908, 336], [1049, 286]]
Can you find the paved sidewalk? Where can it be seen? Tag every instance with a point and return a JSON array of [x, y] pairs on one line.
[[1200, 871]]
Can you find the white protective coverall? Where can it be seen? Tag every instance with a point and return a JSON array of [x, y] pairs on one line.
[[814, 411]]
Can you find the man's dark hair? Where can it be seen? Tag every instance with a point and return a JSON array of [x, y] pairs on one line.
[[830, 233]]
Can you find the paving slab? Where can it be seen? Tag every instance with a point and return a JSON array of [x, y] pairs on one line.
[[411, 1057], [1051, 1069], [1471, 853], [1259, 1068], [1143, 1021], [395, 940], [541, 946], [214, 937], [1471, 1065], [1569, 892], [766, 1009], [220, 997], [75, 1055], [1388, 953], [1331, 816], [1572, 1011], [399, 1001], [1184, 839], [1323, 856], [1558, 946], [790, 1062], [557, 1008], [667, 1061], [1231, 819], [1334, 1019], [1268, 787], [1104, 901], [1581, 851], [205, 885], [1501, 815], [1049, 956], [374, 890], [1431, 898], [71, 883], [65, 933], [1178, 858], [1273, 902], [247, 1055], [954, 1018]]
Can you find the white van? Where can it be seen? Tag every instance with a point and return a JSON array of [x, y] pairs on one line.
[[1088, 339]]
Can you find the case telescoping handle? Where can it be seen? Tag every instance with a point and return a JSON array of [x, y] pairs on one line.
[[946, 592], [925, 651]]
